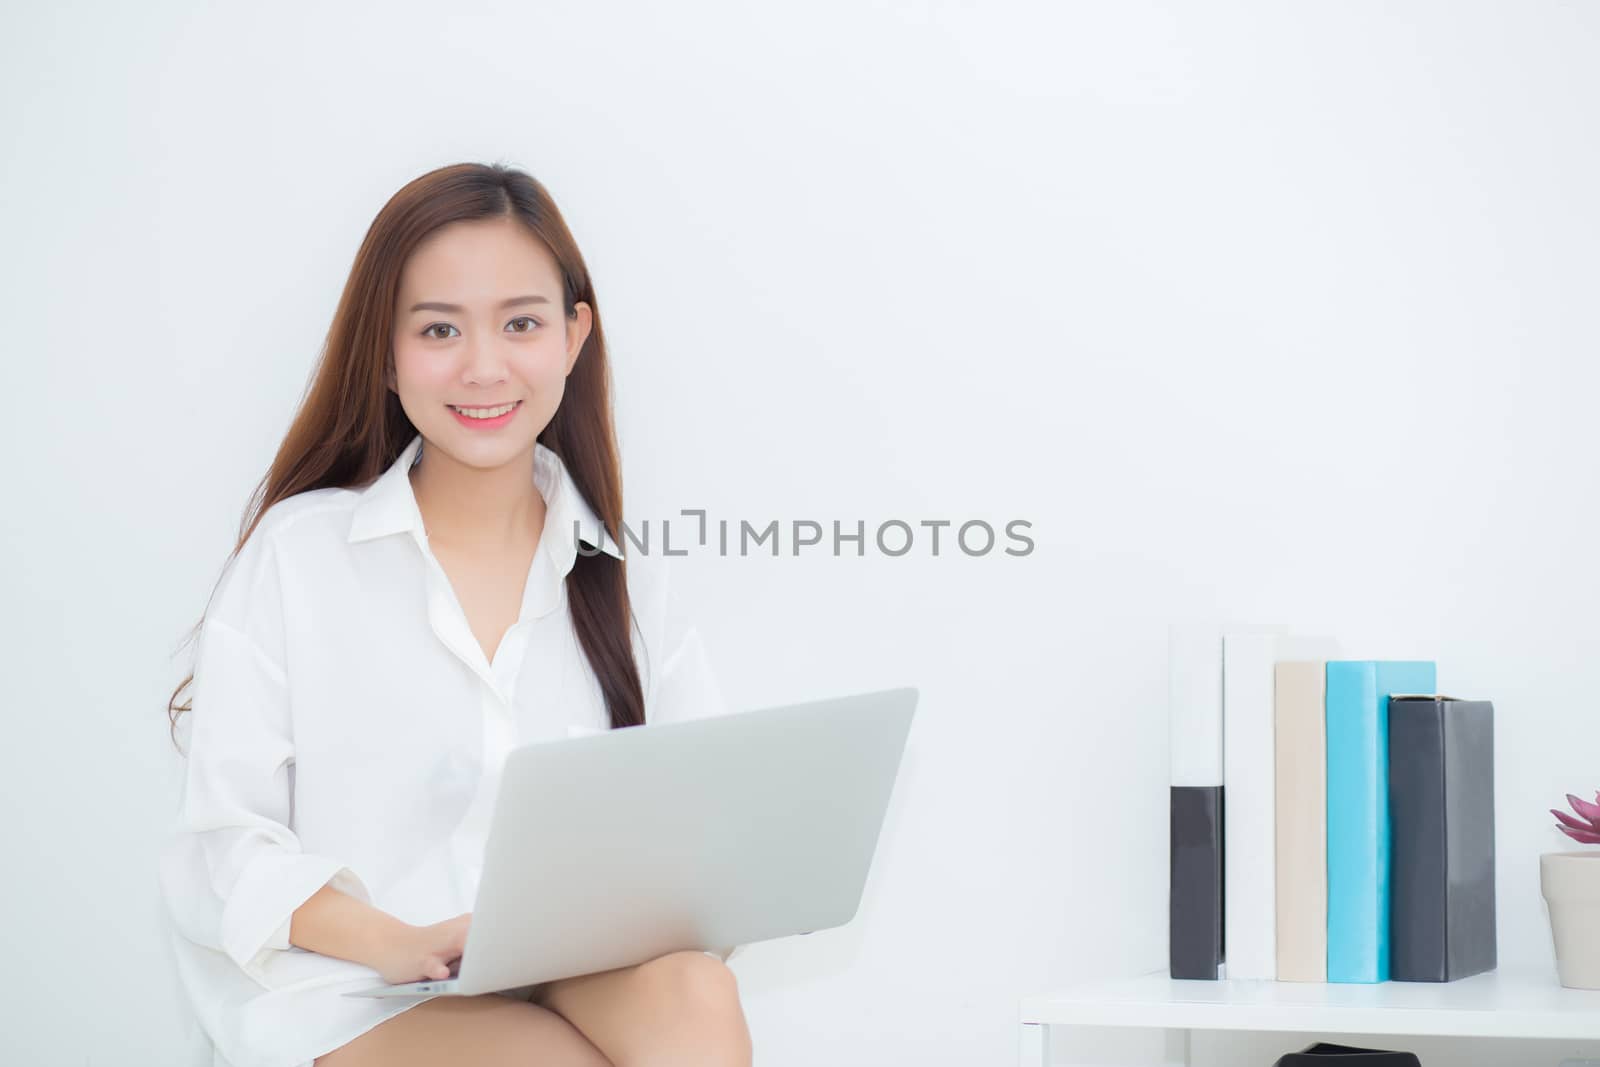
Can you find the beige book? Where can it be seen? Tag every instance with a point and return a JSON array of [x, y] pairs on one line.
[[1301, 774]]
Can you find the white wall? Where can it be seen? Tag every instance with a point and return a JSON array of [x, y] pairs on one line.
[[1262, 311]]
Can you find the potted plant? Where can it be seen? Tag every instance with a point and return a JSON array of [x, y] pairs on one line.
[[1571, 885]]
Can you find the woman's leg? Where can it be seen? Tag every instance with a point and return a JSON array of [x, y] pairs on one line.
[[678, 1010], [488, 1030]]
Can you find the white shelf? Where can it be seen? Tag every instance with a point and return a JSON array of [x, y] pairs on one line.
[[1509, 1004]]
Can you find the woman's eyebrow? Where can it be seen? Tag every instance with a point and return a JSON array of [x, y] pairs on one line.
[[434, 305]]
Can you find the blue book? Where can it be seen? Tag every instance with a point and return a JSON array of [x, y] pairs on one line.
[[1357, 709]]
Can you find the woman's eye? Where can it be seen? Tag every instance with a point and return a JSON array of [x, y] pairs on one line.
[[520, 324]]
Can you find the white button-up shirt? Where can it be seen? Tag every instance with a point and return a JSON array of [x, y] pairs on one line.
[[348, 728]]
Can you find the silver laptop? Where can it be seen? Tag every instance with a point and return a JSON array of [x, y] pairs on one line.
[[684, 835]]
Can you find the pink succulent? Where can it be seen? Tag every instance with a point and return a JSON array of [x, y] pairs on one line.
[[1587, 827]]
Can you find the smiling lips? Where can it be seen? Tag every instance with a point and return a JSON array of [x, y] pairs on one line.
[[485, 418]]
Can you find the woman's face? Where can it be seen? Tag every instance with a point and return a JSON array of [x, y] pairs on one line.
[[479, 324]]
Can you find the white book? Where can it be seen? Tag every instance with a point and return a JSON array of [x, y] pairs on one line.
[[1249, 760]]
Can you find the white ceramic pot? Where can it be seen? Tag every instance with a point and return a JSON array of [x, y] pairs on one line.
[[1571, 885]]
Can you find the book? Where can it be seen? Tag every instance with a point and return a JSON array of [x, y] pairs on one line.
[[1194, 709], [1441, 809], [1196, 860], [1249, 825], [1357, 713], [1300, 769]]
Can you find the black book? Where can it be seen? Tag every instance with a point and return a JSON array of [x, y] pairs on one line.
[[1441, 811]]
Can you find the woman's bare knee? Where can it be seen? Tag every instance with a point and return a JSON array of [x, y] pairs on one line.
[[678, 1009], [487, 1031], [681, 1008], [691, 978]]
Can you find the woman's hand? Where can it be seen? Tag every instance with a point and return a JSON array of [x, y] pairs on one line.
[[425, 952]]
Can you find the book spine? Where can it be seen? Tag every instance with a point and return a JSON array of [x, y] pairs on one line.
[[1354, 814], [1357, 711], [1470, 945], [1195, 862], [1300, 779], [1417, 819], [1249, 879]]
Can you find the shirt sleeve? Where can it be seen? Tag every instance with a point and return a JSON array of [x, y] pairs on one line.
[[232, 869], [683, 685]]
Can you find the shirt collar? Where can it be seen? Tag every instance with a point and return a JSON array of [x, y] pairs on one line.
[[389, 505]]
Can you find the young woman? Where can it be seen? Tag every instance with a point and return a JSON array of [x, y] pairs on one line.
[[429, 575]]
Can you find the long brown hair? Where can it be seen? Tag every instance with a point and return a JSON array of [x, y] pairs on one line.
[[351, 427]]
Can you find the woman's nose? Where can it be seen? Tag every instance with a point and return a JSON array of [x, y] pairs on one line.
[[483, 361]]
